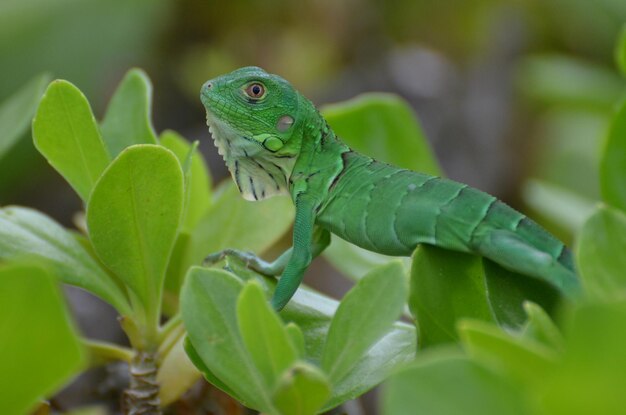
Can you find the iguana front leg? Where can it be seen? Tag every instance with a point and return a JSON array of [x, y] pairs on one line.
[[301, 254], [321, 240]]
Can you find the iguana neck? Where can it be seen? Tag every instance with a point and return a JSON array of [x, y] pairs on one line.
[[259, 174], [319, 160]]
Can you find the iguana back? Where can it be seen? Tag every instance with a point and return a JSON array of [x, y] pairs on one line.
[[390, 210]]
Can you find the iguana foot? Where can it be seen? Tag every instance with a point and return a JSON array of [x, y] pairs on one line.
[[250, 260]]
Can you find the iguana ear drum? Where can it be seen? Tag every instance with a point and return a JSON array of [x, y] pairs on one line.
[[284, 123], [273, 143]]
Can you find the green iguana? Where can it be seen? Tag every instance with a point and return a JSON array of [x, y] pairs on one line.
[[274, 141]]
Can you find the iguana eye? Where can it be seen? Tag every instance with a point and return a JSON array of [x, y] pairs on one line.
[[255, 91]]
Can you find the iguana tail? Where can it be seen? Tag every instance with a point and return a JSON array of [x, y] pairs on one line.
[[518, 243]]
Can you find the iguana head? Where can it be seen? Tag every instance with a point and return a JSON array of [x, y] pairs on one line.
[[253, 116]]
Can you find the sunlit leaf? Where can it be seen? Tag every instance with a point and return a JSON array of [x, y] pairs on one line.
[[133, 217], [66, 133]]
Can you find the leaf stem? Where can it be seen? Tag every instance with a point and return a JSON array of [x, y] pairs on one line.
[[101, 353], [174, 322]]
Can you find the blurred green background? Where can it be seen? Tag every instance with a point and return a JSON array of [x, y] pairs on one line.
[[514, 95], [507, 90]]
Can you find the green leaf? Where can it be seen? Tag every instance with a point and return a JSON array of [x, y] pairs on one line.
[[208, 306], [393, 350], [302, 390], [613, 163], [570, 82], [297, 338], [17, 111], [28, 234], [127, 120], [313, 313], [263, 334], [507, 291], [363, 316], [446, 286], [620, 51], [541, 328], [519, 357], [224, 361], [176, 270], [600, 248], [40, 350], [195, 358], [448, 384], [233, 222], [197, 179], [383, 126], [133, 217], [66, 134], [592, 377]]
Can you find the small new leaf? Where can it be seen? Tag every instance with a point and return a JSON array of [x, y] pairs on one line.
[[302, 390]]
